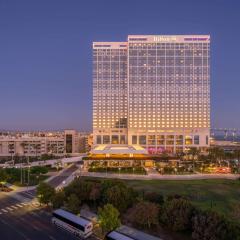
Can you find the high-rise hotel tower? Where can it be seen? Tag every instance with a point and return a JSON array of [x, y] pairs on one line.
[[152, 91]]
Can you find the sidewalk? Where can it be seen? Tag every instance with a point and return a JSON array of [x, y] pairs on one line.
[[199, 176]]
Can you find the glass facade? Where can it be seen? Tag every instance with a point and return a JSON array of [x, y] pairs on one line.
[[109, 91], [168, 84], [153, 91]]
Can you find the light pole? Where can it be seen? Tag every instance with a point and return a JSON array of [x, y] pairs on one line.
[[28, 175], [80, 171], [119, 171]]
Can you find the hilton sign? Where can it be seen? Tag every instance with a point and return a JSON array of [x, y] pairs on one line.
[[164, 39]]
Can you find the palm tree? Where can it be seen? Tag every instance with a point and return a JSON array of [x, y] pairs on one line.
[[237, 155], [194, 153], [23, 145], [11, 147], [216, 154], [36, 147]]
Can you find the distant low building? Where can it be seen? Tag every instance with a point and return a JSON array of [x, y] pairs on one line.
[[68, 142], [225, 145]]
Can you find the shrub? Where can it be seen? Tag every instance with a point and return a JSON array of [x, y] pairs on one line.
[[118, 194], [144, 214], [154, 197], [108, 218], [210, 225], [177, 214]]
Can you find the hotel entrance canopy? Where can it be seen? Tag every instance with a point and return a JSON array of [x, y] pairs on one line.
[[118, 149]]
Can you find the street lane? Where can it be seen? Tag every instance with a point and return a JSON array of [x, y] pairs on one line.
[[28, 222], [56, 181], [21, 217]]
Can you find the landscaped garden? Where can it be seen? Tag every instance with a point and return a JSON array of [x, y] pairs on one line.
[[198, 209], [24, 176]]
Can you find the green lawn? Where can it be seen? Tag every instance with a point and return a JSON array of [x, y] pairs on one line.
[[219, 194]]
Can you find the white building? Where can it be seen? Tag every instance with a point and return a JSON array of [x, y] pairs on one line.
[[69, 142], [158, 86]]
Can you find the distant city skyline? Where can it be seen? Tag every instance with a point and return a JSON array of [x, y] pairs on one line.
[[46, 63]]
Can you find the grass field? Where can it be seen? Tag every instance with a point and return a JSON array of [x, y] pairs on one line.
[[218, 194]]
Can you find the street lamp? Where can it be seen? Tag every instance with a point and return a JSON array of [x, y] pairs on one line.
[[81, 166], [29, 166], [119, 171]]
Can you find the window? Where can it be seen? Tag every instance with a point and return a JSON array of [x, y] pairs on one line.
[[188, 140], [122, 139], [99, 139], [115, 139], [134, 139], [206, 140], [69, 143], [196, 139], [142, 140], [151, 140], [106, 139]]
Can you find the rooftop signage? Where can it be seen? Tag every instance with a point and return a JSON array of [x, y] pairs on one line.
[[164, 39]]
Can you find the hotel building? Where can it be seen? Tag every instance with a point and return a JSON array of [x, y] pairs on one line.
[[152, 91], [110, 106]]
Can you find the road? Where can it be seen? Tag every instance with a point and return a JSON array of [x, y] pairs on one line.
[[56, 181], [22, 219]]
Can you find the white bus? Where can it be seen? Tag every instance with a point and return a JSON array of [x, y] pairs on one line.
[[114, 235], [74, 224], [128, 233]]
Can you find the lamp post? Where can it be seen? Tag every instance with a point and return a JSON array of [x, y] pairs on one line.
[[119, 171], [28, 174], [81, 166]]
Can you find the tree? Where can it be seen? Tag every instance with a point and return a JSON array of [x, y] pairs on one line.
[[58, 199], [39, 170], [108, 218], [3, 175], [194, 153], [210, 225], [80, 188], [144, 214], [73, 204], [45, 193], [118, 194], [216, 154], [177, 214], [95, 193], [154, 197], [237, 155]]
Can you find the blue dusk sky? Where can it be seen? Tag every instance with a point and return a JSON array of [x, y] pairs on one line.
[[46, 63]]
